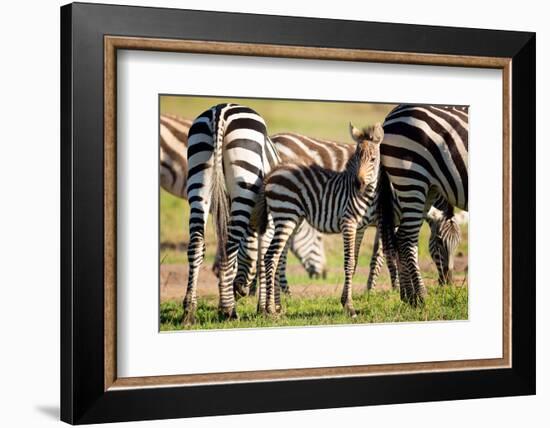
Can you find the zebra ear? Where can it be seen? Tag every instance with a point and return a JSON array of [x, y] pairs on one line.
[[377, 133], [355, 133]]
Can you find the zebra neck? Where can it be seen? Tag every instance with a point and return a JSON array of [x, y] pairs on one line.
[[371, 197]]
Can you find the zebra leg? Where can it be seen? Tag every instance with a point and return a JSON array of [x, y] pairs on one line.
[[376, 262], [307, 245], [217, 261], [264, 243], [281, 282], [195, 253], [358, 240], [349, 233], [247, 260], [412, 287], [437, 258], [392, 268], [283, 231], [228, 271]]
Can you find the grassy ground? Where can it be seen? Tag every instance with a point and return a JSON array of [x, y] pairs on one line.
[[442, 303], [314, 301]]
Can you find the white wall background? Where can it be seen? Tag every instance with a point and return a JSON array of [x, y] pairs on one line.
[[29, 214]]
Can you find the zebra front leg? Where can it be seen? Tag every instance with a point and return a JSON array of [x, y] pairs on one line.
[[357, 247], [349, 232]]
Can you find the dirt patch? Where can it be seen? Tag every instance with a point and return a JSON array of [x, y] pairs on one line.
[[173, 280]]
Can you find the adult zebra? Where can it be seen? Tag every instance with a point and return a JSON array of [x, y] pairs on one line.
[[425, 156], [306, 244], [228, 154], [333, 202]]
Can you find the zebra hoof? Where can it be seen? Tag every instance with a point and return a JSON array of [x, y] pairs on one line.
[[271, 310], [241, 291], [350, 310], [229, 314], [188, 317]]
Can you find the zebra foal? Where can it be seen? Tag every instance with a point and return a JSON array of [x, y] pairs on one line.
[[331, 201]]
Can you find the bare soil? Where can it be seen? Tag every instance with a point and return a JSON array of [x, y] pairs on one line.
[[173, 280]]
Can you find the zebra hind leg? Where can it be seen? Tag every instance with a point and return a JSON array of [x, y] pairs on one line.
[[280, 279], [283, 231], [195, 256], [247, 261], [412, 286], [227, 307], [376, 262]]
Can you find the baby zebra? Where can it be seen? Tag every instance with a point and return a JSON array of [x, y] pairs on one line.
[[332, 202]]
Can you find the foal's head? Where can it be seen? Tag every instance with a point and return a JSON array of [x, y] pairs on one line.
[[367, 153]]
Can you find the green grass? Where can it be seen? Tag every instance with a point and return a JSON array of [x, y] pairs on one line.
[[379, 306]]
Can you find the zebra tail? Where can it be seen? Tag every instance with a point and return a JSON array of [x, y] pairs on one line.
[[258, 218], [386, 221], [219, 199]]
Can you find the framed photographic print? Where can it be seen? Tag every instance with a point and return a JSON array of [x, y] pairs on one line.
[[275, 213]]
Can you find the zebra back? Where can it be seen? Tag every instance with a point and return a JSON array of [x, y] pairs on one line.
[[173, 135], [328, 154], [426, 147]]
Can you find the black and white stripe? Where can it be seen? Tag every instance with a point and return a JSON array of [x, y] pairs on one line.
[[173, 134], [425, 156], [333, 202]]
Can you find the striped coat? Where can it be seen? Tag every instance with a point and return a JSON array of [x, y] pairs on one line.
[[425, 156]]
